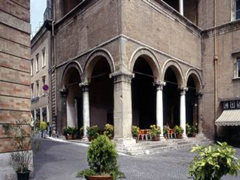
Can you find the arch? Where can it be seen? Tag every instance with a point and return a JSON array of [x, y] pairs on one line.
[[175, 66], [196, 77], [73, 64], [93, 58], [151, 59]]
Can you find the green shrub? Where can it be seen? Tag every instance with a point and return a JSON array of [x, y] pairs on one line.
[[109, 131], [213, 162], [135, 131], [155, 130], [102, 159], [92, 132], [74, 130]]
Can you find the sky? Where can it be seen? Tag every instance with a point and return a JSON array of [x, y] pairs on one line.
[[36, 12]]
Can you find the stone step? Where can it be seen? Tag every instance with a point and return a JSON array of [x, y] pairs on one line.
[[150, 147]]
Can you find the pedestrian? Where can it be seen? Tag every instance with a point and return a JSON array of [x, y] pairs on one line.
[[43, 128]]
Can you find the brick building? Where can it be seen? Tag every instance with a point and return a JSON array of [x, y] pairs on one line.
[[145, 62], [14, 73]]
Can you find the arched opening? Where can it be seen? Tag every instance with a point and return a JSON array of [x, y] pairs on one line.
[[171, 99], [192, 102], [143, 95], [74, 107], [101, 93]]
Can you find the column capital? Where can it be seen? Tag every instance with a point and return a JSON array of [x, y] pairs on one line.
[[159, 85], [122, 76], [183, 91], [63, 92], [199, 95], [84, 86]]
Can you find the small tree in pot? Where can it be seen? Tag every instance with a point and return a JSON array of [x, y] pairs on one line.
[[109, 131], [25, 145], [179, 131], [102, 160]]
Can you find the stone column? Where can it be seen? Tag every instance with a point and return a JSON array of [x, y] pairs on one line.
[[159, 105], [183, 111], [181, 10], [200, 118], [86, 108], [122, 108]]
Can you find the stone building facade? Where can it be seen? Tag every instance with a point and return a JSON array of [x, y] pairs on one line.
[[143, 62], [14, 74], [40, 59]]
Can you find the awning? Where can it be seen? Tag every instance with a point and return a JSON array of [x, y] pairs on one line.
[[229, 118]]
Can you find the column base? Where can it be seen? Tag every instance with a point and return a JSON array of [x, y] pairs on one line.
[[85, 139], [123, 144]]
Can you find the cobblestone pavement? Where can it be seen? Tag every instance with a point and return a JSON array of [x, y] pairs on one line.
[[61, 161]]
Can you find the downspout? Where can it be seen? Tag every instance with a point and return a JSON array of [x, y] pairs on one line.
[[215, 60]]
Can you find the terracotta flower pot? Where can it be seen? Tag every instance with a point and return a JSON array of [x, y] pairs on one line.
[[98, 178], [179, 136], [23, 176], [68, 137], [157, 138]]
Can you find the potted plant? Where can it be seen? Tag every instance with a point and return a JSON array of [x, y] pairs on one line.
[[109, 131], [155, 132], [81, 132], [189, 130], [179, 131], [165, 131], [102, 161], [135, 132], [68, 132], [25, 145], [92, 132], [194, 131], [74, 132]]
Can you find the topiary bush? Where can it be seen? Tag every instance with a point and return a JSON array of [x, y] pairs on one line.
[[214, 162], [102, 159]]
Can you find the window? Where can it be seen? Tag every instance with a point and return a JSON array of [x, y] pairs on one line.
[[43, 58], [31, 67], [37, 61], [37, 88], [237, 68], [237, 13]]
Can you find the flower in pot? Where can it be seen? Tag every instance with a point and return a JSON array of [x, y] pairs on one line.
[[25, 145], [135, 132], [74, 132], [165, 131], [92, 132], [179, 131], [109, 131], [155, 132], [102, 161], [68, 132]]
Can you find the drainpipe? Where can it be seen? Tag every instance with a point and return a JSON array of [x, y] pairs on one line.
[[215, 60]]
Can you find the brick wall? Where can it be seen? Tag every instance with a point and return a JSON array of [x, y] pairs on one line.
[[14, 66]]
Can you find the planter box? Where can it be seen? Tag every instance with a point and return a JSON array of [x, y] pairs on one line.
[[98, 178]]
